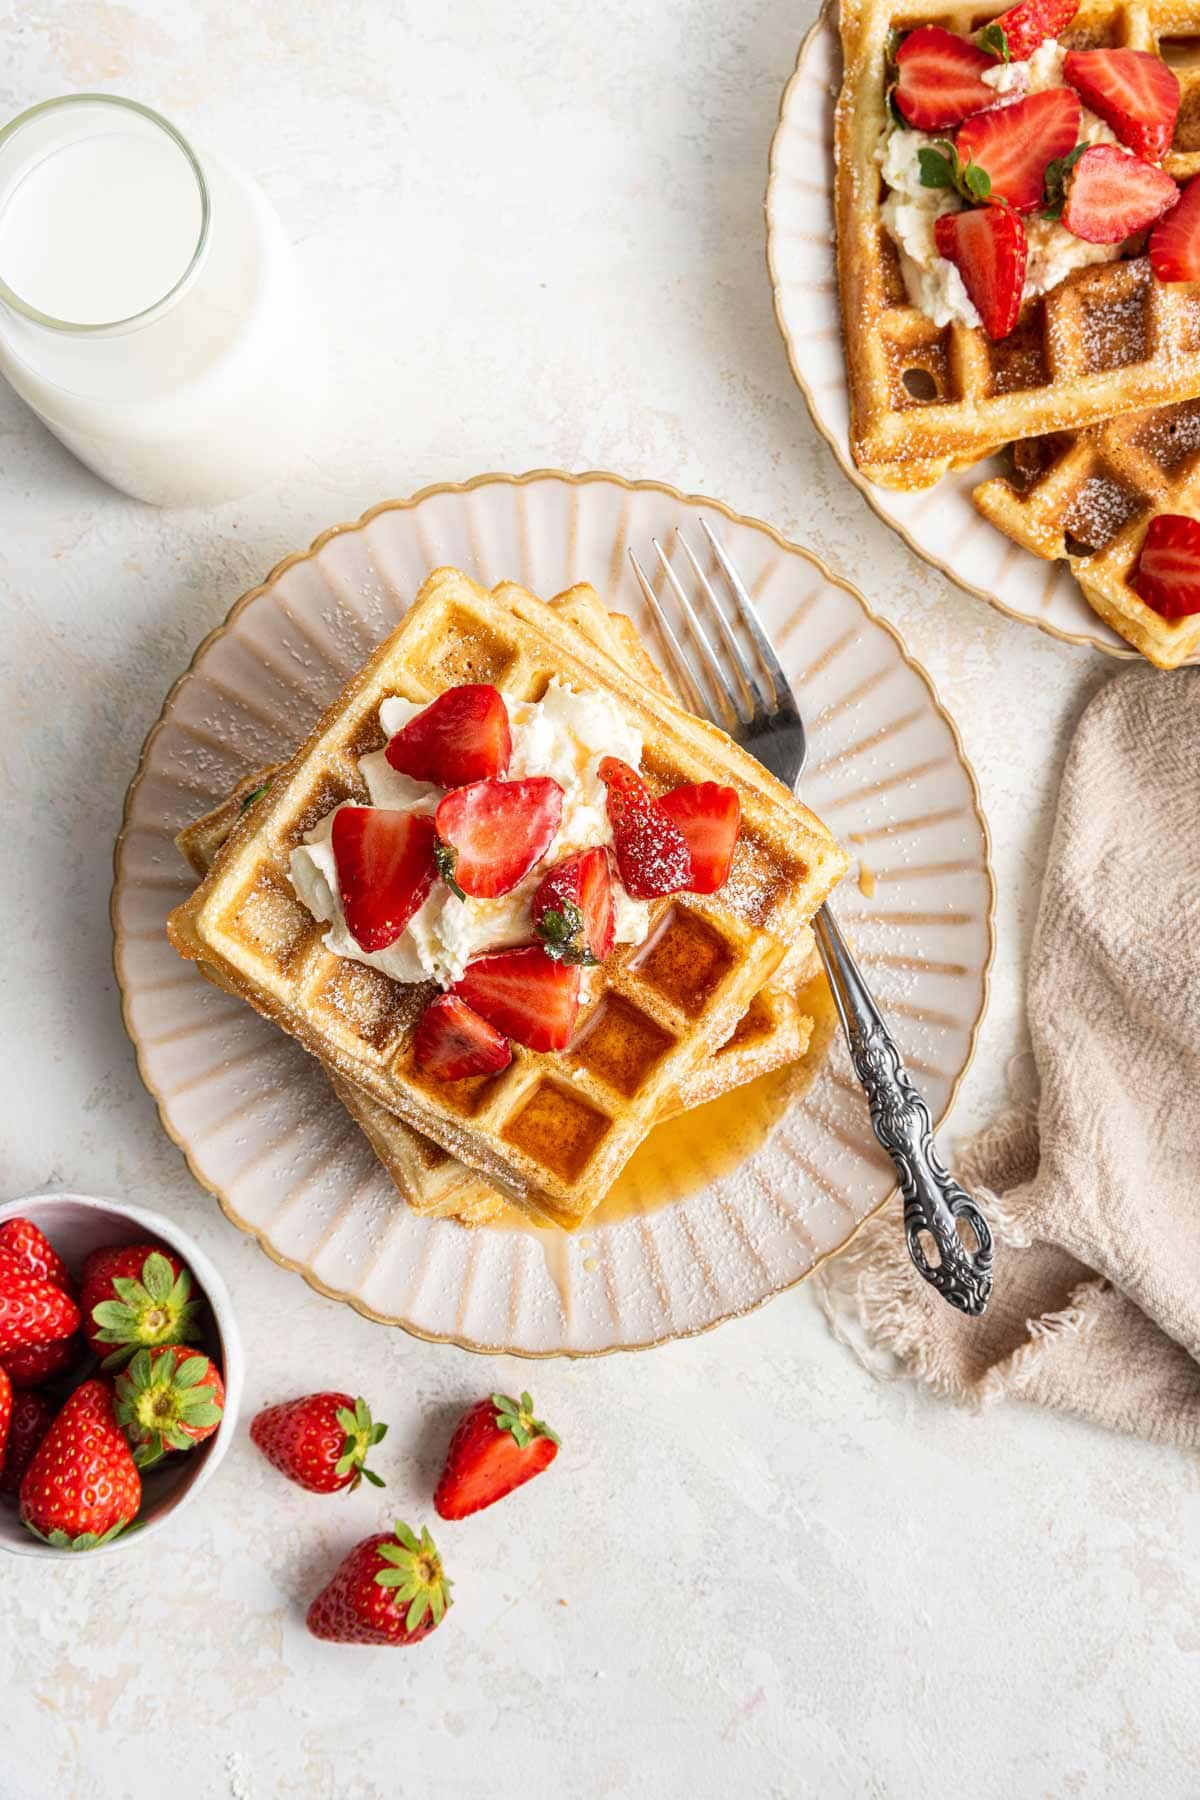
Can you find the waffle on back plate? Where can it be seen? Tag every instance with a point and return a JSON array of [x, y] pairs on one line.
[[1109, 339], [1089, 496], [773, 1032], [553, 1130]]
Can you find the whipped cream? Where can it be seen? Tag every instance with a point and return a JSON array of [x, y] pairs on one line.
[[910, 211], [565, 735]]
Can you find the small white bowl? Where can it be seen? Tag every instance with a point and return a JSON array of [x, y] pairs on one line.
[[76, 1225]]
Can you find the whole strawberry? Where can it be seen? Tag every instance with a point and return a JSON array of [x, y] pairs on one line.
[[6, 1410], [133, 1295], [320, 1441], [32, 1248], [32, 1311], [82, 1488], [31, 1418], [391, 1589], [497, 1446], [28, 1368], [171, 1398]]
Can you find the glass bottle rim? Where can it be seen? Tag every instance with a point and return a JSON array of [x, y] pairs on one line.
[[110, 327]]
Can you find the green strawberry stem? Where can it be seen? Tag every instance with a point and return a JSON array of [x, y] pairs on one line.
[[415, 1575], [158, 1309], [362, 1434], [517, 1416], [162, 1403]]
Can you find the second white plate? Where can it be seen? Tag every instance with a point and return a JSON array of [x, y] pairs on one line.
[[940, 523]]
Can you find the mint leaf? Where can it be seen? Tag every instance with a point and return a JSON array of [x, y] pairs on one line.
[[993, 37], [939, 165], [1055, 189]]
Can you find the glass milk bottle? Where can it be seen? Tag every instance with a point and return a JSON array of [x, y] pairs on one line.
[[152, 312]]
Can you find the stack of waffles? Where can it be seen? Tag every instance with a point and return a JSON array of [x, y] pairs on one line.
[[1092, 395], [709, 998]]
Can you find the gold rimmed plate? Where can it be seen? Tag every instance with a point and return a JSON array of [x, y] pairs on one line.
[[940, 523], [711, 1219]]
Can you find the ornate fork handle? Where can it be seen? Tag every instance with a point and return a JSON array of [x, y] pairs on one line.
[[933, 1200]]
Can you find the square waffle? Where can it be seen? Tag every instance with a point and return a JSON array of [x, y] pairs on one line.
[[1109, 339], [552, 1131], [773, 1032], [1089, 496]]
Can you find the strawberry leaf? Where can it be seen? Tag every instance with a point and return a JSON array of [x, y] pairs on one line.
[[993, 37], [446, 858], [1056, 182]]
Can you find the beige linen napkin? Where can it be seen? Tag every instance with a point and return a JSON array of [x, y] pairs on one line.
[[1094, 1193]]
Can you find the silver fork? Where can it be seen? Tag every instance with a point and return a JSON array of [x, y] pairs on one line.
[[758, 709]]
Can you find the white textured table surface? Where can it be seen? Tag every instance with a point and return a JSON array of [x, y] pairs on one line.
[[536, 232]]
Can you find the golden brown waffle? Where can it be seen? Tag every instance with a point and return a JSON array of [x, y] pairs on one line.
[[774, 1031], [1110, 339], [553, 1130], [1088, 497]]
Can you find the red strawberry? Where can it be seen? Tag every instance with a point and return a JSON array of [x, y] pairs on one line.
[[573, 909], [1019, 31], [1168, 569], [491, 833], [31, 1417], [652, 856], [1134, 92], [82, 1487], [38, 1362], [321, 1441], [989, 249], [462, 737], [135, 1295], [168, 1399], [939, 78], [391, 1589], [1175, 240], [497, 1446], [524, 994], [32, 1311], [1110, 195], [385, 870], [6, 1410], [710, 818], [452, 1042], [22, 1239], [1015, 143]]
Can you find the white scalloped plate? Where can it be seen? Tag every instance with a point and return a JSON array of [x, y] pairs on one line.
[[940, 523], [255, 1116]]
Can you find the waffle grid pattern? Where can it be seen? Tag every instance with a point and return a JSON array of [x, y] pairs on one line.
[[1089, 497], [1108, 340]]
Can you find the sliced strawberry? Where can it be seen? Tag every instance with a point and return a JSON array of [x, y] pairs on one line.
[[491, 833], [710, 818], [1167, 576], [385, 870], [462, 737], [652, 854], [525, 994], [452, 1042], [1175, 240], [573, 909], [497, 1446], [1013, 144], [1134, 92], [939, 78], [989, 249], [1110, 195], [1017, 33]]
